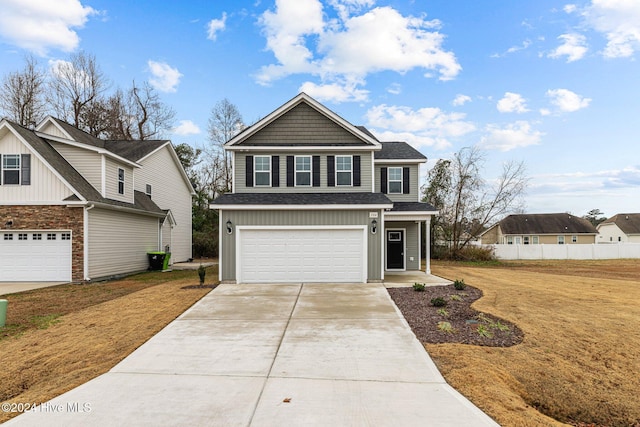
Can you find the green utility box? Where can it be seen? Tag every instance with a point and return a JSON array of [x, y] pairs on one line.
[[3, 312], [165, 264]]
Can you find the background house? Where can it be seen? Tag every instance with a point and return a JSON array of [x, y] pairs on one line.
[[317, 199], [75, 208], [533, 229], [620, 228]]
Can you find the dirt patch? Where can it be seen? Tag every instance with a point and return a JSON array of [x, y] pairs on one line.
[[456, 322], [199, 287]]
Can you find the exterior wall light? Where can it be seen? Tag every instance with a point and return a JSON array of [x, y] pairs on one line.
[[229, 227], [374, 226]]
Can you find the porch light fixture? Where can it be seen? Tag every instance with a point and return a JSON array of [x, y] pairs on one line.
[[374, 226], [229, 227]]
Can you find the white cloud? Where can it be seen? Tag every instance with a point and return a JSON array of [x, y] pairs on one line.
[[514, 135], [187, 127], [164, 77], [567, 101], [570, 8], [513, 49], [395, 89], [352, 46], [460, 100], [619, 21], [335, 92], [215, 26], [40, 25], [424, 127], [512, 103], [574, 47]]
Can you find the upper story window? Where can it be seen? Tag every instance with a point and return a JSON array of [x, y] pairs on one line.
[[11, 169], [344, 170], [120, 181], [148, 190], [262, 171], [303, 171], [395, 180]]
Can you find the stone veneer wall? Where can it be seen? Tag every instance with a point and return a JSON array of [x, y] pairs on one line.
[[33, 217]]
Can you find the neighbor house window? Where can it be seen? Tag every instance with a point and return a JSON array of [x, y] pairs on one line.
[[11, 169], [344, 170], [394, 176], [262, 170], [120, 181], [574, 239], [561, 240], [535, 240], [525, 240], [303, 171], [509, 240]]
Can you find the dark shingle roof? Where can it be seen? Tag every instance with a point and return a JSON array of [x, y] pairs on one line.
[[412, 207], [366, 131], [558, 223], [302, 199], [79, 135], [398, 151], [133, 150], [629, 223]]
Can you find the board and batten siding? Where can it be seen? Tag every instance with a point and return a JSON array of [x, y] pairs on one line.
[[241, 168], [45, 185], [111, 181], [87, 163], [303, 125], [414, 182], [169, 191], [411, 239], [119, 242], [296, 218]]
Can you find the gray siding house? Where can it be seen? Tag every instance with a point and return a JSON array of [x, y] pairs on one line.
[[76, 208], [317, 199]]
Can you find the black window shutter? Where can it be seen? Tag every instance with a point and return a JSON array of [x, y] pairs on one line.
[[290, 171], [383, 180], [25, 166], [316, 171], [331, 171], [356, 171], [405, 181], [275, 171], [249, 171]]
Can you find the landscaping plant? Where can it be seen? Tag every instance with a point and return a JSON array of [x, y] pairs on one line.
[[202, 272]]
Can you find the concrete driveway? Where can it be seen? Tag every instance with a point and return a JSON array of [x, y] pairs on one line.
[[7, 288], [273, 355]]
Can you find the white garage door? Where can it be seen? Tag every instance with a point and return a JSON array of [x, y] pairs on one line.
[[301, 255], [35, 256]]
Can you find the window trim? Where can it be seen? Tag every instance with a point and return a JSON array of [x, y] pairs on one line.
[[389, 180], [295, 171], [350, 171], [574, 239], [256, 171], [561, 240], [148, 189], [11, 169], [121, 180], [535, 240]]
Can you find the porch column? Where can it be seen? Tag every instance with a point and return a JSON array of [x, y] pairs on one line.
[[428, 246]]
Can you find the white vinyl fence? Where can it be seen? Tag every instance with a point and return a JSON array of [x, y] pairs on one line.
[[577, 251]]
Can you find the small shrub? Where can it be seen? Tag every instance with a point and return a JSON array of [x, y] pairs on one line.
[[443, 312], [483, 331], [455, 297], [202, 272], [459, 285], [438, 302], [445, 327], [418, 287]]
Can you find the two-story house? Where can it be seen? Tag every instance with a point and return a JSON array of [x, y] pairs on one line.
[[317, 199], [76, 208]]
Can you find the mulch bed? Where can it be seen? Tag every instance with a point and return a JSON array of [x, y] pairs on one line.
[[467, 326], [200, 287]]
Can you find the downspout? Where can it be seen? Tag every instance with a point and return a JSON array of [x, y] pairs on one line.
[[86, 241]]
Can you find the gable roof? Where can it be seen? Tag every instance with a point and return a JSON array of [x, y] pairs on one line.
[[367, 139], [398, 150], [555, 223], [134, 150], [629, 223]]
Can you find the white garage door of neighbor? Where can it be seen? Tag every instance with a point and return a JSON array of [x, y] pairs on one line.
[[301, 255], [35, 256]]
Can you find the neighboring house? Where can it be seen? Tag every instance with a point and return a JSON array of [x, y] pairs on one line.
[[534, 229], [77, 208], [317, 199], [620, 228]]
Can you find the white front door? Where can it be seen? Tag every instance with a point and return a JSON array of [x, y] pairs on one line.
[[35, 256], [301, 255]]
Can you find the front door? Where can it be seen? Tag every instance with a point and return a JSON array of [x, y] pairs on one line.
[[395, 249]]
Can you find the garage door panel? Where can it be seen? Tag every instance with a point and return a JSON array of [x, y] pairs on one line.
[[301, 255], [34, 260]]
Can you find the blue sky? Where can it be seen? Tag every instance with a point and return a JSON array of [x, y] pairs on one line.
[[552, 83]]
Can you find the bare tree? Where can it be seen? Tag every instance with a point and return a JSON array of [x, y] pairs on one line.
[[152, 117], [22, 94], [467, 202], [75, 89], [224, 123]]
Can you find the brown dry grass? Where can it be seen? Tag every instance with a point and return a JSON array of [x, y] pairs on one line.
[[580, 358], [99, 326]]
